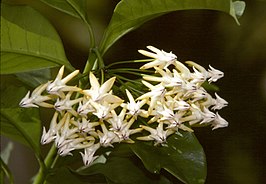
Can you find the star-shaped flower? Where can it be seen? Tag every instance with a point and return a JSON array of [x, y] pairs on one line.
[[67, 103], [168, 78], [98, 93], [157, 135], [218, 122], [36, 99], [88, 155], [162, 58], [156, 94], [219, 103], [134, 107], [85, 107], [214, 74], [58, 86]]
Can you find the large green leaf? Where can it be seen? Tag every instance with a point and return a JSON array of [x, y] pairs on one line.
[[124, 170], [64, 6], [128, 14], [35, 78], [28, 41], [22, 125], [183, 157]]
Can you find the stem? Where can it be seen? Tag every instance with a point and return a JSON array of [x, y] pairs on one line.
[[100, 59], [49, 164], [5, 170], [125, 62], [125, 71], [126, 79], [51, 157], [90, 62]]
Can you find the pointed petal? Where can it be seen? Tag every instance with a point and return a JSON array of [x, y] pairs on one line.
[[70, 76], [148, 54], [93, 81], [107, 85], [60, 73], [154, 49]]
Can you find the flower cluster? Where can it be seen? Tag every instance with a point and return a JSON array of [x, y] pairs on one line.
[[92, 118]]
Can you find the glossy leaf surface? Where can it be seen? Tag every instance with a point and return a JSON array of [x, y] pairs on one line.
[[28, 41], [183, 157], [129, 15]]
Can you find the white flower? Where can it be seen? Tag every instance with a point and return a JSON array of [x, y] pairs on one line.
[[162, 59], [58, 86], [73, 144], [200, 73], [199, 94], [218, 122], [50, 135], [219, 103], [85, 126], [156, 94], [85, 107], [117, 121], [108, 138], [197, 77], [195, 116], [158, 135], [36, 99], [66, 104], [170, 117], [65, 132], [88, 155], [214, 74], [180, 105], [102, 92], [134, 107], [168, 78], [103, 110], [207, 115]]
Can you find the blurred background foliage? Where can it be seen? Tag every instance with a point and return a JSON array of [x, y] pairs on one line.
[[235, 154]]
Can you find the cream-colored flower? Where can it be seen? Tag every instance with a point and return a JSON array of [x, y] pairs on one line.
[[168, 78], [88, 155], [214, 74], [218, 122], [162, 58], [134, 107], [200, 73], [157, 135], [98, 93], [66, 104], [36, 99], [156, 94], [58, 86], [219, 103]]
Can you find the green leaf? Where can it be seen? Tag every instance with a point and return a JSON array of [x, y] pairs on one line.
[[35, 78], [64, 6], [129, 15], [28, 41], [19, 124], [124, 170], [63, 175], [183, 157]]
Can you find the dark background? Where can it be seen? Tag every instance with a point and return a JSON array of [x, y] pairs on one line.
[[236, 154]]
